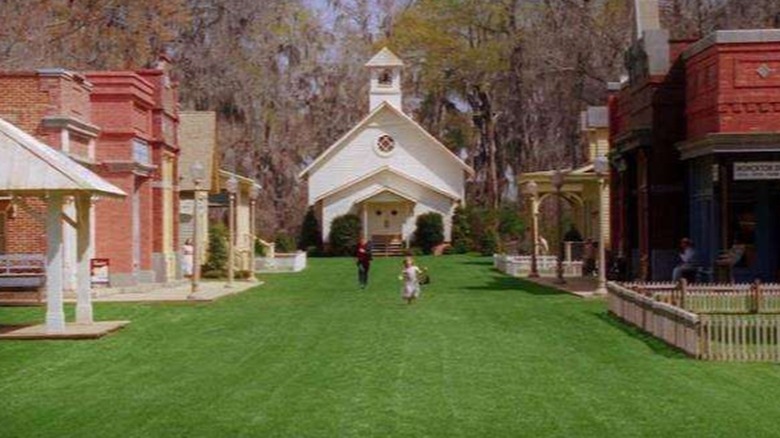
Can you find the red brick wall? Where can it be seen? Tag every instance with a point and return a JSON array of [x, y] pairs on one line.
[[25, 233], [23, 101], [114, 225], [147, 224], [726, 93]]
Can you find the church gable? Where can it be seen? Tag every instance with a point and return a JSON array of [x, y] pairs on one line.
[[386, 139]]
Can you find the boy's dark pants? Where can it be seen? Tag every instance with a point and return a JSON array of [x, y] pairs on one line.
[[363, 273]]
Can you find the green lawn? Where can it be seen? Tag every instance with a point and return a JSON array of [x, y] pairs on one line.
[[481, 355]]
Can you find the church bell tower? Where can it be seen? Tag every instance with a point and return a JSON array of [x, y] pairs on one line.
[[385, 68]]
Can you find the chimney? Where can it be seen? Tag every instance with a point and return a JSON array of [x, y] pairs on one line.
[[647, 16]]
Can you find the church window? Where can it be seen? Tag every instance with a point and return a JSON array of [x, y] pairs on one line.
[[385, 78], [385, 144], [379, 212], [394, 212]]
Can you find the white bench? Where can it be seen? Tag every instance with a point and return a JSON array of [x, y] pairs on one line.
[[23, 272]]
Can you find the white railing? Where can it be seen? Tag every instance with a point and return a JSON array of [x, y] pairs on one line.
[[546, 265]]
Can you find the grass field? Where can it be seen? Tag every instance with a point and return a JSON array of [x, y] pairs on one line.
[[481, 355]]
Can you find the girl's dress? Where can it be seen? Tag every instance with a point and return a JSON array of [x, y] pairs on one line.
[[188, 253], [411, 287]]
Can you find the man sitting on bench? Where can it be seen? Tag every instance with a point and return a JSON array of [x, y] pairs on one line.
[[686, 267]]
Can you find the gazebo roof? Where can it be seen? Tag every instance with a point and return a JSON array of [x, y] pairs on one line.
[[30, 167]]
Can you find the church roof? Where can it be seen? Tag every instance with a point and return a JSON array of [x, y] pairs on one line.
[[385, 58], [384, 106], [28, 166], [393, 171]]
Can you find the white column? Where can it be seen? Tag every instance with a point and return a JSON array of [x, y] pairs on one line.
[[55, 315], [70, 269], [83, 254], [602, 284], [365, 221]]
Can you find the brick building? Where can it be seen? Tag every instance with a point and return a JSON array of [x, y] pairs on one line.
[[122, 125], [696, 145]]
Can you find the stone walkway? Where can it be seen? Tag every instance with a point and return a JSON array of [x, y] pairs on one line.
[[173, 293], [178, 292]]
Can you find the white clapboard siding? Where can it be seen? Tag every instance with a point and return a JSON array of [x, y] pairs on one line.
[[414, 154]]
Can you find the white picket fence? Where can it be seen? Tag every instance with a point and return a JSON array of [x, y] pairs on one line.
[[546, 265], [749, 333]]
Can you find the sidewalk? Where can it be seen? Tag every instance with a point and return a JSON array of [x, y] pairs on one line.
[[173, 293], [582, 287]]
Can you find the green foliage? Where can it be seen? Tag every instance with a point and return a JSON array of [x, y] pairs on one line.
[[429, 231], [310, 236], [490, 243], [285, 243], [510, 224], [461, 232], [218, 250], [344, 234], [484, 226], [259, 249]]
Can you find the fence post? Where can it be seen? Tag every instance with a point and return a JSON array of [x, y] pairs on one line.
[[682, 287], [755, 289]]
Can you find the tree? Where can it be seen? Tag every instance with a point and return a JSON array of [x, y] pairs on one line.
[[310, 236], [218, 251], [429, 232], [344, 235]]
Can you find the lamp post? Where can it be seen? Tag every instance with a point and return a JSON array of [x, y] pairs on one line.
[[197, 173], [601, 167], [254, 193], [532, 189], [232, 187], [557, 182]]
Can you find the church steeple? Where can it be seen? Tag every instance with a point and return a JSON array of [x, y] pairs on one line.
[[385, 69]]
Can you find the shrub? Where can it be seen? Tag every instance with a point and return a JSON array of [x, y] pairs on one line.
[[461, 232], [311, 235], [344, 234], [484, 226], [489, 244], [285, 243], [259, 249], [429, 231], [218, 250], [510, 225]]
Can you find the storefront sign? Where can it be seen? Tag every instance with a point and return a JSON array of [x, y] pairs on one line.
[[98, 270], [756, 170]]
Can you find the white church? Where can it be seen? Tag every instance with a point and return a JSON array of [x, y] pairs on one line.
[[387, 169]]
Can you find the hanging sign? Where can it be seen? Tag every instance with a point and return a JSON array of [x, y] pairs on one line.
[[756, 170], [98, 271]]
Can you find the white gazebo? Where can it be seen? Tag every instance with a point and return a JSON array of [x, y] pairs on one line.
[[30, 168]]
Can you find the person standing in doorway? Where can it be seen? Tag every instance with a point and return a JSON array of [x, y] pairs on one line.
[[188, 253], [364, 257]]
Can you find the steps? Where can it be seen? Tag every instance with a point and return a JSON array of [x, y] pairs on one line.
[[387, 246]]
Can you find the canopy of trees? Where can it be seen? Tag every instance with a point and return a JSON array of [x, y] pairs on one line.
[[501, 82]]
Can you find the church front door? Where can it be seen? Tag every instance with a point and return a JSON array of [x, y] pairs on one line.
[[386, 219]]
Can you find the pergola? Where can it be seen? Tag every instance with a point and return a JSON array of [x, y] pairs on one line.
[[581, 190], [31, 169]]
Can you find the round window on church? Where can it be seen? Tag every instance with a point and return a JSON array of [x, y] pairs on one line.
[[385, 144]]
